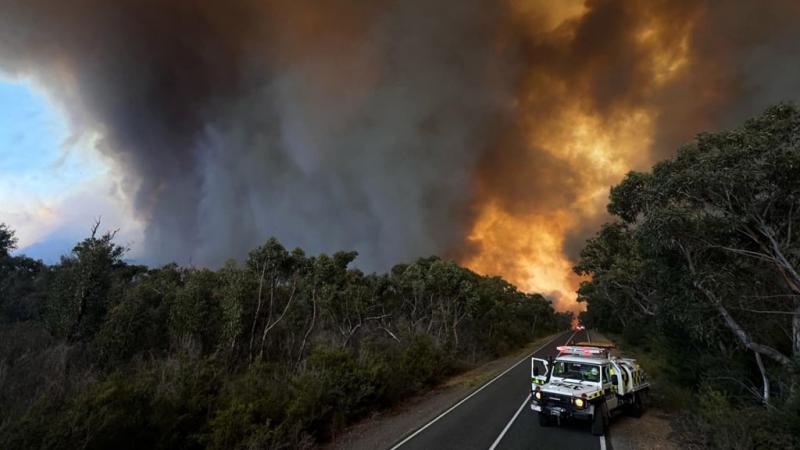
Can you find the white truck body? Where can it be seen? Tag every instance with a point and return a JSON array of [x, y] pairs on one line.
[[586, 381]]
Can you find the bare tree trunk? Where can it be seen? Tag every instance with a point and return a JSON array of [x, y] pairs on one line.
[[351, 334], [456, 321], [734, 326], [796, 333], [310, 327], [270, 326], [272, 283], [745, 338], [258, 309], [764, 378], [389, 333]]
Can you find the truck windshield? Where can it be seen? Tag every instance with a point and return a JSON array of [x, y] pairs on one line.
[[578, 371]]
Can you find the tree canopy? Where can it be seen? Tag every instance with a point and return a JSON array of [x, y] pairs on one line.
[[280, 350], [704, 249]]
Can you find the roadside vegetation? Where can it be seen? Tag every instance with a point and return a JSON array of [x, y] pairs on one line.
[[279, 351], [698, 271]]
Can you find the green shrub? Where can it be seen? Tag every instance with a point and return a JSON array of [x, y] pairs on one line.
[[718, 422], [334, 390], [251, 410]]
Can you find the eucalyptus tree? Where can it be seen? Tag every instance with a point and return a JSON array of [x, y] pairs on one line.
[[84, 285], [710, 236]]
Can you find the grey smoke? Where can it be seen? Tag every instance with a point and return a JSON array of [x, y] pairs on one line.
[[370, 126], [235, 122]]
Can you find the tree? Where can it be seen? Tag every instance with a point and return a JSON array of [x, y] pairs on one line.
[[81, 290], [279, 275], [710, 237], [8, 240], [273, 353], [195, 311], [19, 297], [619, 276], [235, 291]]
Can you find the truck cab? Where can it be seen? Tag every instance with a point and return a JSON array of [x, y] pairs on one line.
[[586, 382]]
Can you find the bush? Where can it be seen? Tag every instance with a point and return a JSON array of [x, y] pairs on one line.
[[334, 390], [280, 352], [251, 410], [717, 422]]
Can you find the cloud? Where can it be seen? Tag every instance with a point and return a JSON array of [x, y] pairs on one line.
[[48, 229]]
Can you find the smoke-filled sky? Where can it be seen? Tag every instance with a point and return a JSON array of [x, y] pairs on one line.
[[484, 130]]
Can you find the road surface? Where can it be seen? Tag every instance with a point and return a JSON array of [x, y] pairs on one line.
[[497, 415]]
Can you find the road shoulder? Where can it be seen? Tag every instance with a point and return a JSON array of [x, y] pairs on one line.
[[652, 431], [384, 428]]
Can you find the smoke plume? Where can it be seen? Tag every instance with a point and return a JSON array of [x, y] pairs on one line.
[[484, 130]]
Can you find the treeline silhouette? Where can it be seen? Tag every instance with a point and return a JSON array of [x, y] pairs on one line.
[[282, 350]]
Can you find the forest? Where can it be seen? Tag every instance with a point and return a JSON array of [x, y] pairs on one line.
[[700, 266], [282, 350]]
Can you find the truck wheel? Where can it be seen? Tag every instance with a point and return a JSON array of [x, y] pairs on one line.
[[638, 406], [544, 420], [600, 420]]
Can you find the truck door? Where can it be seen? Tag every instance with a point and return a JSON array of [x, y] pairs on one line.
[[540, 370], [611, 386]]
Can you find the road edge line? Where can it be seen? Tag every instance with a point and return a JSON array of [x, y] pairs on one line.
[[436, 419], [603, 437], [510, 422], [508, 425]]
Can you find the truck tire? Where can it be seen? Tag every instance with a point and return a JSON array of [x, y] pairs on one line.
[[544, 420], [600, 419], [639, 404]]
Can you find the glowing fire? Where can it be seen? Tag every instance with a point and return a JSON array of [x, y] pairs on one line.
[[527, 247], [527, 251]]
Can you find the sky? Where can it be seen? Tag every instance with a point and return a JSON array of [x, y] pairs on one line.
[[53, 183]]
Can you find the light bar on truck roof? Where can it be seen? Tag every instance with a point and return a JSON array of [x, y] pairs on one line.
[[582, 351], [595, 344]]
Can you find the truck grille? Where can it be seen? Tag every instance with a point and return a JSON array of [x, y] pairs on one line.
[[556, 399]]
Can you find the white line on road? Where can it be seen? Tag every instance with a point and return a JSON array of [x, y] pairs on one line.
[[603, 437], [508, 425], [524, 402], [527, 358]]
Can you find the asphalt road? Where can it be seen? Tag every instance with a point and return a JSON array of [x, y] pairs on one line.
[[497, 415]]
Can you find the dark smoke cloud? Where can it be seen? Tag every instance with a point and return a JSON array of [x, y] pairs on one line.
[[380, 126], [744, 58], [328, 124]]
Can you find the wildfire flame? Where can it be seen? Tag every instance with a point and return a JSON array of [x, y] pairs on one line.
[[527, 246], [527, 251]]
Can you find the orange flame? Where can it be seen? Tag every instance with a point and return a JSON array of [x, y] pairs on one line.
[[526, 246]]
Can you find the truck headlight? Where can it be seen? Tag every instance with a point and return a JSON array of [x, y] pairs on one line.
[[579, 403], [537, 395]]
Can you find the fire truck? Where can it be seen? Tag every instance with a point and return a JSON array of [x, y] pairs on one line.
[[586, 382]]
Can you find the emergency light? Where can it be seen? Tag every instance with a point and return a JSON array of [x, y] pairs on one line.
[[582, 351]]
